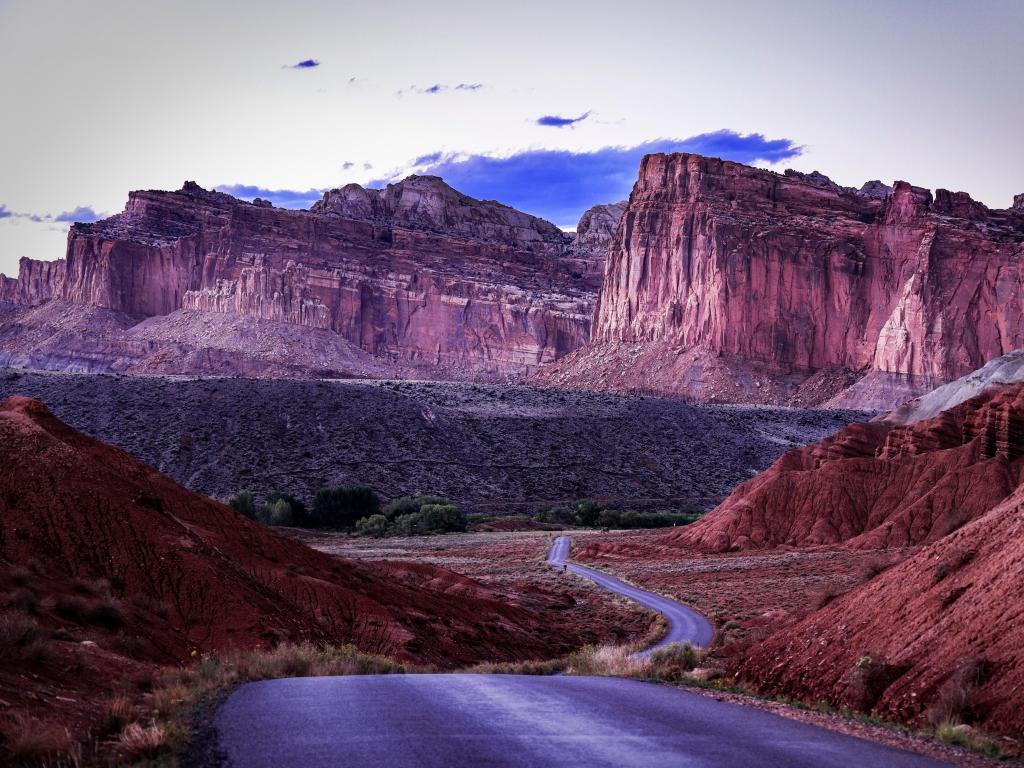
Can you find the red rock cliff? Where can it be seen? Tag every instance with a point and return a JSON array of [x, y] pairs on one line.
[[414, 273], [731, 282]]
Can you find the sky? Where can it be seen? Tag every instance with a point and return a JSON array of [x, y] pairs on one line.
[[546, 106]]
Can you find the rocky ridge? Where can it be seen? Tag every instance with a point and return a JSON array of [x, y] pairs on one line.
[[726, 282]]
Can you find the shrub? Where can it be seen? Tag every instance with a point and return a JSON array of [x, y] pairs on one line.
[[871, 676], [244, 504], [410, 505], [443, 518], [106, 613], [374, 525], [21, 639], [958, 698], [674, 661], [609, 518], [72, 609], [343, 507]]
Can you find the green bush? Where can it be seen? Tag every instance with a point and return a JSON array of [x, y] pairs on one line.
[[556, 515], [410, 505], [342, 507], [374, 525], [442, 518]]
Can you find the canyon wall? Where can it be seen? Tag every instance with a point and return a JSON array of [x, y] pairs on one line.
[[417, 274], [726, 282]]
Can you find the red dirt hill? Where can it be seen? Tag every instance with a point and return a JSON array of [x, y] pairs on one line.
[[167, 571], [877, 485], [940, 636]]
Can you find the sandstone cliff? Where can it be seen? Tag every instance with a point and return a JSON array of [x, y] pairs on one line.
[[726, 282], [417, 275]]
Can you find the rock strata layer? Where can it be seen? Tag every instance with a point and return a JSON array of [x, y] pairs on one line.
[[726, 282]]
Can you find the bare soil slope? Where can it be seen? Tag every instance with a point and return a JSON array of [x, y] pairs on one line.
[[939, 636]]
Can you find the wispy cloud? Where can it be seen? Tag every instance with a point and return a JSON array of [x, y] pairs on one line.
[[555, 121], [4, 213], [304, 64], [282, 198], [560, 184], [436, 88]]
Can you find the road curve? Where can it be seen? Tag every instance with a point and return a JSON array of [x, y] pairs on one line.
[[511, 721], [685, 625]]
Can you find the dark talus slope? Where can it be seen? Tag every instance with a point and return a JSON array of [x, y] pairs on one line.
[[487, 447]]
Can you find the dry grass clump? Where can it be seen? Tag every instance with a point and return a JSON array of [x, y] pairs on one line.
[[550, 667], [607, 661], [138, 742], [29, 742]]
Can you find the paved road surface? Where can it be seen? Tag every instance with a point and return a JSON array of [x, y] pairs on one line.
[[684, 624], [508, 721]]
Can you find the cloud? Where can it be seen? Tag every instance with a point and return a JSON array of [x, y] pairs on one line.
[[554, 121], [4, 213], [282, 198], [436, 88], [82, 213], [304, 64], [560, 185]]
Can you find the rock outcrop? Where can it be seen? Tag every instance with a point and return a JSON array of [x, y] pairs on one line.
[[877, 484], [726, 282], [417, 275]]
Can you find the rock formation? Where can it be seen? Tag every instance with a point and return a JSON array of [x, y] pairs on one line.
[[877, 484], [726, 282], [417, 275]]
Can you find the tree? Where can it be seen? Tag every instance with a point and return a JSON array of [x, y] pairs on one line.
[[410, 505], [343, 507], [244, 504]]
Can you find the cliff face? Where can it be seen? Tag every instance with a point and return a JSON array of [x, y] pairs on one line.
[[416, 273], [730, 282]]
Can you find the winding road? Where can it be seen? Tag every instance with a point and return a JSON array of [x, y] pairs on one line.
[[519, 721], [684, 624]]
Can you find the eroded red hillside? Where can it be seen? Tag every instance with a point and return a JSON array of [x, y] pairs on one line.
[[877, 485], [940, 636], [187, 573]]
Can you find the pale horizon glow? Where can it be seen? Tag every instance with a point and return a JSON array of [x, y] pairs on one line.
[[105, 97]]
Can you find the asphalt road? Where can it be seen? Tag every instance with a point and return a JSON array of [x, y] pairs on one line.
[[491, 721], [498, 721], [684, 624]]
